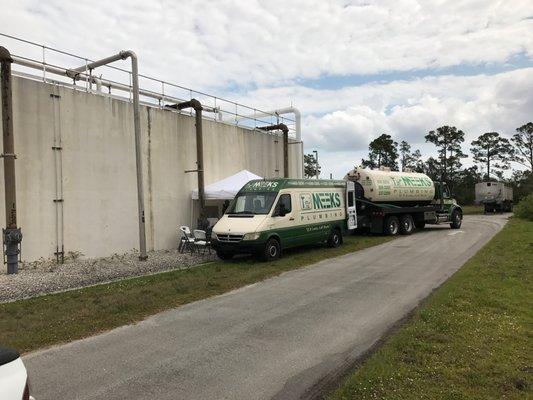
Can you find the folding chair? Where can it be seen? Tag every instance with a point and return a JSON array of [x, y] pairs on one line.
[[186, 240], [200, 240]]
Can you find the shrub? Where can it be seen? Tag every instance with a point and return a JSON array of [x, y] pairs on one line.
[[524, 209]]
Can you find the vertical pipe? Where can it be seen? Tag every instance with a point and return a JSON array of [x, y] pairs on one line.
[[138, 156], [58, 168], [285, 130], [297, 127], [285, 153], [134, 93], [12, 234], [197, 106], [200, 159]]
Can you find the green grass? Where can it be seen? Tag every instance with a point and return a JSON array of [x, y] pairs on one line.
[[471, 339], [524, 209], [43, 321], [472, 209]]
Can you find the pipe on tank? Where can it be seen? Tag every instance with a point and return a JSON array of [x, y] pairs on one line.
[[297, 127], [197, 107], [123, 55], [81, 76], [285, 130], [297, 120], [12, 234]]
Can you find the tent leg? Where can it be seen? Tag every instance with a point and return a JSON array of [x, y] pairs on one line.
[[192, 212]]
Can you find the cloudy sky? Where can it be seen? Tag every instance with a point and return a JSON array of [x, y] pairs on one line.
[[355, 69]]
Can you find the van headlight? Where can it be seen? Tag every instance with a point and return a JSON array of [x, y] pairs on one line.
[[251, 236], [214, 236]]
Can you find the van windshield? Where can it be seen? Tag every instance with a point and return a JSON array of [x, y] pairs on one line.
[[252, 203]]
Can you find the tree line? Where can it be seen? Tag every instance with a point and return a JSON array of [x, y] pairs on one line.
[[493, 154]]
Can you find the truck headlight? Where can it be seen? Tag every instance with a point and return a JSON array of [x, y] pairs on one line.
[[251, 236], [214, 236]]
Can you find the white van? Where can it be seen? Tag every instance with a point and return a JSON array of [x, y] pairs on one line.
[[270, 215]]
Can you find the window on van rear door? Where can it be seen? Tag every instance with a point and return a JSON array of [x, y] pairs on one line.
[[350, 199]]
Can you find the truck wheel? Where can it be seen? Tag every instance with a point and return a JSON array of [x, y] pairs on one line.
[[272, 250], [407, 225], [457, 219], [420, 224], [224, 256], [391, 225], [335, 238]]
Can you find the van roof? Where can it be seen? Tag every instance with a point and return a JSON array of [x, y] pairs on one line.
[[277, 184]]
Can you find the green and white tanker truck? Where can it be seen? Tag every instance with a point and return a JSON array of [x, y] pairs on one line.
[[392, 202]]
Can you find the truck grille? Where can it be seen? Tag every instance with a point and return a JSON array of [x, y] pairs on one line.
[[229, 238]]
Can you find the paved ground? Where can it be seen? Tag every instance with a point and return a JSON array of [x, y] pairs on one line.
[[276, 339]]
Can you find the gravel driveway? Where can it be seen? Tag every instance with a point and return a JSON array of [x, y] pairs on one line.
[[41, 277]]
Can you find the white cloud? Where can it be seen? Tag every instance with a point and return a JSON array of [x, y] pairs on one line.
[[212, 43], [345, 120], [341, 130], [256, 51]]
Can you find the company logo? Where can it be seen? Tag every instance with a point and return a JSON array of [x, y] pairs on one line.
[[326, 200], [306, 202], [411, 181], [261, 186]]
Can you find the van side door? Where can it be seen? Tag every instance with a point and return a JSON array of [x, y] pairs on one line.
[[283, 222]]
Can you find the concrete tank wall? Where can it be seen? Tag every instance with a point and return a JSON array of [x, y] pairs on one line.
[[98, 169]]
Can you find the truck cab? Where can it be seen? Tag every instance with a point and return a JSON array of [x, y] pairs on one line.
[[447, 209]]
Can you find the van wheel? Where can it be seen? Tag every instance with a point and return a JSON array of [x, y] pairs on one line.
[[392, 225], [407, 226], [457, 219], [272, 250], [335, 238], [224, 256]]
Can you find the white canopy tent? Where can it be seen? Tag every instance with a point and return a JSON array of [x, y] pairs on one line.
[[227, 188]]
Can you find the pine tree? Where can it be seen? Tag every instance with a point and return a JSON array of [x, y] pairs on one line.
[[523, 145], [383, 152], [494, 151], [448, 141]]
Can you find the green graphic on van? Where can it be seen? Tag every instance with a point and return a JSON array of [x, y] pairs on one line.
[[326, 200], [305, 201]]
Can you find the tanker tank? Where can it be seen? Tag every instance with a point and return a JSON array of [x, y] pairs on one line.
[[392, 187]]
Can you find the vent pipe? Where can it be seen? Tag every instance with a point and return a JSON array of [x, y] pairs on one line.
[[297, 130], [197, 106], [285, 130], [123, 55], [12, 233]]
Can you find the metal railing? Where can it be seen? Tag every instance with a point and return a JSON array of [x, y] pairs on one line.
[[55, 64]]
